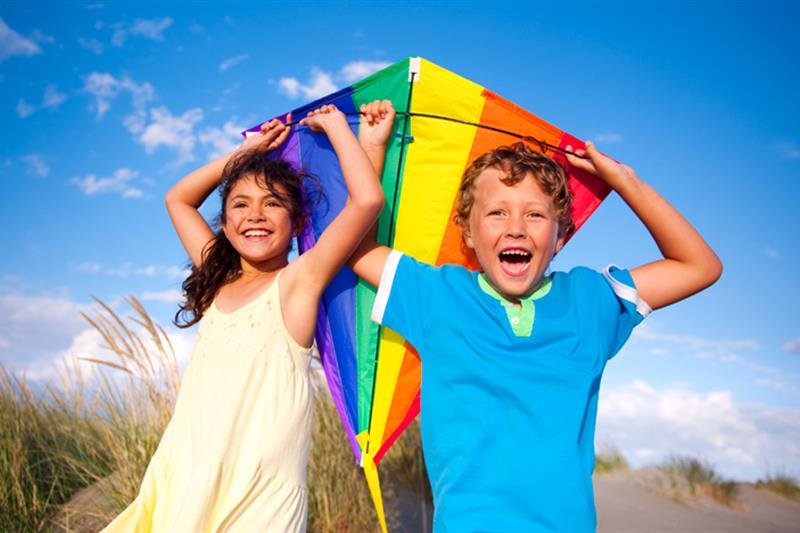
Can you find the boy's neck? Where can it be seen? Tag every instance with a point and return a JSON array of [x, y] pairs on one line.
[[539, 289]]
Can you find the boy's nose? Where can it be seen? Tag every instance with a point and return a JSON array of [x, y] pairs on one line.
[[515, 228]]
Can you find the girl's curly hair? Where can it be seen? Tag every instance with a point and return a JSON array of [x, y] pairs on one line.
[[220, 261]]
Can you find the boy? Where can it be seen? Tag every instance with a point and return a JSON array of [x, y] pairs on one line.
[[512, 359]]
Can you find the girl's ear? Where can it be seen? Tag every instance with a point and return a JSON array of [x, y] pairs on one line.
[[298, 228]]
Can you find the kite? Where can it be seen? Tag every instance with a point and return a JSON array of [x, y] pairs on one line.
[[443, 123]]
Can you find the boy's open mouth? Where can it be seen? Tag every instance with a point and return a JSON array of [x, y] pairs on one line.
[[515, 261]]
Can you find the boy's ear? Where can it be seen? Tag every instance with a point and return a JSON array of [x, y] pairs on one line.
[[559, 244], [466, 236]]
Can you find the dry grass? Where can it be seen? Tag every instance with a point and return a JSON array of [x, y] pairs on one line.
[[78, 432], [696, 477], [609, 461], [783, 484], [90, 440]]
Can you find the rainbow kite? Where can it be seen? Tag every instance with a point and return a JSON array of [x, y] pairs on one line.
[[443, 122]]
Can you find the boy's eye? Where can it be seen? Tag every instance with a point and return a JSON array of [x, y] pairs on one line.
[[238, 205], [495, 213], [273, 203], [536, 215]]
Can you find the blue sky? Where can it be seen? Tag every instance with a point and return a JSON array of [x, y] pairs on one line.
[[105, 106]]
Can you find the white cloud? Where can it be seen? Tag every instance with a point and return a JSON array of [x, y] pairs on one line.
[[126, 270], [167, 296], [105, 88], [52, 98], [90, 267], [792, 346], [152, 29], [727, 351], [35, 165], [119, 182], [356, 70], [13, 44], [321, 83], [232, 61], [778, 385], [36, 327], [608, 138], [93, 45], [787, 149], [88, 343], [743, 441], [221, 140], [647, 332], [168, 130], [24, 109]]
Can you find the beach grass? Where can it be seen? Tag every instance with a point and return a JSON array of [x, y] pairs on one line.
[[609, 461], [699, 478], [73, 456], [783, 484]]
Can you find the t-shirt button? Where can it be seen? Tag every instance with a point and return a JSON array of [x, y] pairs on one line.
[[515, 320]]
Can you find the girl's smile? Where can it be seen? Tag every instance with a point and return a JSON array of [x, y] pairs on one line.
[[257, 224]]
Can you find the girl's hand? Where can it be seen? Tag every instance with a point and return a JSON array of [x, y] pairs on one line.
[[377, 122], [321, 118], [271, 136], [591, 160]]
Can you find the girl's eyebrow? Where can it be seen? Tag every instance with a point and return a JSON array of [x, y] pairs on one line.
[[243, 196]]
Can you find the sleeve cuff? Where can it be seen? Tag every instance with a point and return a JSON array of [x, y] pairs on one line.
[[385, 286], [623, 291]]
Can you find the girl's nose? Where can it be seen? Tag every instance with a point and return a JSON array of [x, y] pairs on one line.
[[256, 214]]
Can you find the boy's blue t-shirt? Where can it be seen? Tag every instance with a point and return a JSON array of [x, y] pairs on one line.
[[508, 421]]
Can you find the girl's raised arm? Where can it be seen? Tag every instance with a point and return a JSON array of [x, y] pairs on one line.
[[689, 264], [316, 268], [186, 196]]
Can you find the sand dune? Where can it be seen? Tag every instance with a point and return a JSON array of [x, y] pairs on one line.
[[639, 500], [627, 501]]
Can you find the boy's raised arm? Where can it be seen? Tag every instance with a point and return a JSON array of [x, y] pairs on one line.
[[689, 264], [336, 244], [376, 126]]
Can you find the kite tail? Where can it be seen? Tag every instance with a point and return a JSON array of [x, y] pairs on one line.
[[374, 483]]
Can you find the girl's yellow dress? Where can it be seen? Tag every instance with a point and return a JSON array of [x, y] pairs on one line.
[[233, 457]]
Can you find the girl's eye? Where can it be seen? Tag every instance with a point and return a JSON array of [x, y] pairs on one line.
[[239, 205], [495, 213], [535, 215], [274, 203]]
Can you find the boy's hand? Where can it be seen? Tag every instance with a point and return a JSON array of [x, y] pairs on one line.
[[270, 138], [377, 122], [591, 160], [321, 118]]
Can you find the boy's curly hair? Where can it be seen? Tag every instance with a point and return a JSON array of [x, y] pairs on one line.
[[518, 160]]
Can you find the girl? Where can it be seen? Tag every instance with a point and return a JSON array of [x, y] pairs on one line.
[[234, 454]]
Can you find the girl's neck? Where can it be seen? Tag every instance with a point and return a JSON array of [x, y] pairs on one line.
[[267, 268]]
